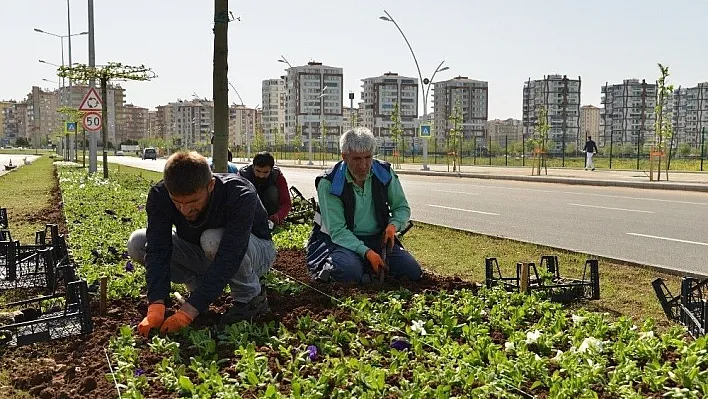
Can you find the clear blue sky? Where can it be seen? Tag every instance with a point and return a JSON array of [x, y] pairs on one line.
[[503, 42]]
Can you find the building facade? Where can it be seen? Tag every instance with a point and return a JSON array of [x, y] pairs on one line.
[[136, 123], [379, 96], [244, 124], [690, 114], [627, 116], [14, 122], [589, 125], [472, 97], [504, 132], [273, 101], [560, 97], [187, 124], [314, 95]]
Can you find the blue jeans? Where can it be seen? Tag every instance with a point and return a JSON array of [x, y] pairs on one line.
[[189, 262], [350, 267]]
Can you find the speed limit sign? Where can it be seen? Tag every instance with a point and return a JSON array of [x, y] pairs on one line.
[[92, 121]]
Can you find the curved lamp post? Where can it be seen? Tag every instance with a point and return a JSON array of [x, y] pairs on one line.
[[424, 83]]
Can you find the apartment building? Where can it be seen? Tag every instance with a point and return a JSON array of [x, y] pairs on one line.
[[689, 107], [560, 97], [352, 117], [43, 120], [14, 117], [379, 96], [187, 124], [136, 123], [273, 101], [314, 94], [505, 131], [627, 116], [472, 96], [155, 127], [244, 124], [589, 125]]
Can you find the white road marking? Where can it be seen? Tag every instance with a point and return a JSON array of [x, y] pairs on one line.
[[463, 210], [613, 209], [456, 192], [669, 239]]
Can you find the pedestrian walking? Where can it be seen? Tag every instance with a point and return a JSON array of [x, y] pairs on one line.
[[590, 149]]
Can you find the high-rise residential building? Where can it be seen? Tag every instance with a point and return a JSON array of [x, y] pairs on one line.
[[3, 106], [505, 131], [43, 120], [155, 127], [560, 97], [689, 106], [14, 122], [589, 125], [243, 125], [472, 97], [273, 101], [627, 116], [136, 123], [351, 118], [314, 94], [380, 95], [187, 124]]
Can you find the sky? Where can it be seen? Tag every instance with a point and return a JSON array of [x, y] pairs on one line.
[[503, 42]]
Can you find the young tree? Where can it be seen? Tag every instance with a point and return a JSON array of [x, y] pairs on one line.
[[297, 141], [663, 131], [323, 140], [540, 140], [259, 141], [71, 115], [279, 139], [111, 71], [455, 135], [396, 135]]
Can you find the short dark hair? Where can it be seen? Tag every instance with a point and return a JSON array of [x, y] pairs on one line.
[[186, 172], [262, 159], [589, 137], [229, 155]]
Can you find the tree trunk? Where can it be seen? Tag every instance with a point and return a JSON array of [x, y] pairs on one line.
[[221, 88]]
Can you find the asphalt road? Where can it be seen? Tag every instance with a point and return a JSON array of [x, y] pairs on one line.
[[655, 227]]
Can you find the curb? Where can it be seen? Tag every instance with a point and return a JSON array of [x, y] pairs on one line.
[[626, 262], [696, 187]]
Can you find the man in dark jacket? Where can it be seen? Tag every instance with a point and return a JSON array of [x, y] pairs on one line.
[[220, 237], [362, 206], [590, 149], [270, 184]]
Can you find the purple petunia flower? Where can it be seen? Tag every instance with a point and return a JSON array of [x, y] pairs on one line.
[[401, 345], [312, 352], [141, 207], [129, 266], [139, 372], [125, 254]]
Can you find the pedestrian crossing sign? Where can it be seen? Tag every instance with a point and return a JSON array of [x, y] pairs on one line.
[[424, 130], [70, 127]]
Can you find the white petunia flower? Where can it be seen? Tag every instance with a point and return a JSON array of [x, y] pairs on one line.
[[533, 336], [648, 334], [419, 327], [590, 343], [578, 319], [634, 327], [509, 346], [559, 354]]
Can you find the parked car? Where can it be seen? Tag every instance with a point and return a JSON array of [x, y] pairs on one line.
[[120, 153], [149, 153]]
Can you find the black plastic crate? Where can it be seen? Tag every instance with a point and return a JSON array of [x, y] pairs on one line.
[[35, 265], [690, 308], [57, 320], [559, 289], [4, 222]]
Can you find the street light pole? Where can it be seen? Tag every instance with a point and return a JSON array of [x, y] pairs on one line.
[[389, 18], [285, 61]]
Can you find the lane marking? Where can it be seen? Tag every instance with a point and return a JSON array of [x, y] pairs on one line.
[[613, 209], [456, 192], [669, 239], [463, 210]]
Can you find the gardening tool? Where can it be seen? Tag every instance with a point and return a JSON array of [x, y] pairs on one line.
[[385, 252]]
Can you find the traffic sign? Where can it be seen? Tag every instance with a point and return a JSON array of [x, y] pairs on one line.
[[70, 127], [92, 121], [424, 130], [91, 101]]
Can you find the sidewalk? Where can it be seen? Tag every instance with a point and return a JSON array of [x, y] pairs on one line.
[[686, 181]]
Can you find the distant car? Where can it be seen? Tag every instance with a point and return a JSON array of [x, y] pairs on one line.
[[149, 153], [120, 153]]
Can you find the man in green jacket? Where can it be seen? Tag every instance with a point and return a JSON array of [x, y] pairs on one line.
[[362, 206]]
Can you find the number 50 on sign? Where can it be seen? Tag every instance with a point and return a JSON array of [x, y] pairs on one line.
[[92, 121]]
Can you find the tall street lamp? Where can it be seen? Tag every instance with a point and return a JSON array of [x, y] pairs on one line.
[[425, 83]]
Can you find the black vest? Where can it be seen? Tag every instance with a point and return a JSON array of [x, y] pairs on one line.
[[247, 172], [344, 190]]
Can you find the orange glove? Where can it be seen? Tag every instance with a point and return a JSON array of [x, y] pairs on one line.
[[155, 317], [274, 218], [176, 322], [376, 262], [389, 237]]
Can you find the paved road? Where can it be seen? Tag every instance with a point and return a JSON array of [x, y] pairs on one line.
[[17, 159], [655, 227]]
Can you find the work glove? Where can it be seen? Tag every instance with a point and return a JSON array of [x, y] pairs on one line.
[[389, 237], [275, 219], [377, 263], [176, 322], [155, 317]]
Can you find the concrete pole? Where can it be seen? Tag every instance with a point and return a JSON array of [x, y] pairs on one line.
[[93, 136], [68, 25]]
